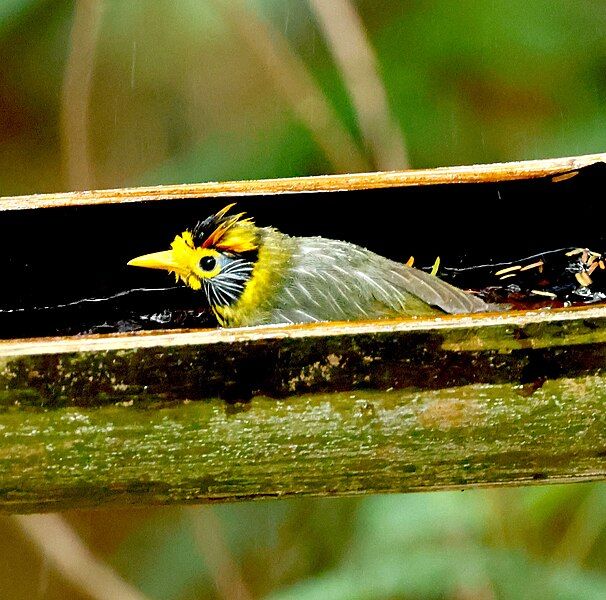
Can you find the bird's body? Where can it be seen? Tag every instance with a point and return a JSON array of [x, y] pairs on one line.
[[317, 279], [262, 276]]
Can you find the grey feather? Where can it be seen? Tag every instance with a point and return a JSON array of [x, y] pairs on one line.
[[331, 280]]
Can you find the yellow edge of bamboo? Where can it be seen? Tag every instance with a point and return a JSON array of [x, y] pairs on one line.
[[486, 173], [189, 337]]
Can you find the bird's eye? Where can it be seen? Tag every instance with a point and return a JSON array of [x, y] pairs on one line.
[[208, 263]]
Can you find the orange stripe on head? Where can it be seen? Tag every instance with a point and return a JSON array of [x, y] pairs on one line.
[[233, 234]]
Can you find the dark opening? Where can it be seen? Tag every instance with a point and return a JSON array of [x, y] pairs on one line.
[[64, 269]]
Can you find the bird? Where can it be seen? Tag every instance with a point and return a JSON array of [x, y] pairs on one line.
[[253, 275]]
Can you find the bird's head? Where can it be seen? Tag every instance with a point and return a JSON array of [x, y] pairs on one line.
[[218, 255]]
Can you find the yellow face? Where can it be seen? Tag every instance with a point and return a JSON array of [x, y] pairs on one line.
[[190, 264], [222, 262]]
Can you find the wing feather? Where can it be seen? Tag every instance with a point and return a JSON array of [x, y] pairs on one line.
[[332, 280]]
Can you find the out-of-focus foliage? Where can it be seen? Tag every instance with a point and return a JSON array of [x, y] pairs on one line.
[[198, 90], [179, 93]]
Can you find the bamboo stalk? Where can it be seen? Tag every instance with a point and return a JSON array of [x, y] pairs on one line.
[[321, 183], [392, 407], [320, 409], [323, 444]]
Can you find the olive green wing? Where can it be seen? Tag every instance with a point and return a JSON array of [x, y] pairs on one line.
[[331, 280]]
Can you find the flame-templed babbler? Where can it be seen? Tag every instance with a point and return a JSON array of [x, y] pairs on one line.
[[257, 275]]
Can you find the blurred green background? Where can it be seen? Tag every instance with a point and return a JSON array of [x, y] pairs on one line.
[[111, 93]]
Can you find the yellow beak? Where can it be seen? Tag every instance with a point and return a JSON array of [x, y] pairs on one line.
[[157, 260]]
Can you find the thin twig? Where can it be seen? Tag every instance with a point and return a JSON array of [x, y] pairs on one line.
[[292, 79], [76, 92], [223, 568], [355, 56], [62, 547]]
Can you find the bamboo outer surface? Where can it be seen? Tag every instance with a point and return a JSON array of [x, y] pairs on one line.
[[325, 409]]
